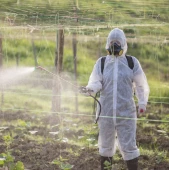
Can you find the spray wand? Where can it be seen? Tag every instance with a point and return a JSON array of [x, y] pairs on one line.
[[42, 68]]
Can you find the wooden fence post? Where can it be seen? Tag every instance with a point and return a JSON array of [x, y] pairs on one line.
[[17, 59], [56, 100], [1, 55], [1, 64], [74, 42]]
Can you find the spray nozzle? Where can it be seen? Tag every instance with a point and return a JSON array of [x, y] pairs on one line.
[[39, 67]]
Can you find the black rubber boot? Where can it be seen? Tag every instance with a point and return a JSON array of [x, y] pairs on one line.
[[132, 164], [106, 163]]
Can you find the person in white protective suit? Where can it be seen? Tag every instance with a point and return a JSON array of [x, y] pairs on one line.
[[117, 121]]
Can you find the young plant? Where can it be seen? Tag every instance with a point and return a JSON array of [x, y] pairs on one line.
[[62, 164], [8, 140], [7, 161], [160, 157], [108, 165]]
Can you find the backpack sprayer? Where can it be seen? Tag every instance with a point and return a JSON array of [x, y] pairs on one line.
[[82, 89]]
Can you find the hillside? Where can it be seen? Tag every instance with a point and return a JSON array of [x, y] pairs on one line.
[[35, 136]]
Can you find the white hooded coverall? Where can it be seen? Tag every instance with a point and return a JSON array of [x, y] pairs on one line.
[[118, 110]]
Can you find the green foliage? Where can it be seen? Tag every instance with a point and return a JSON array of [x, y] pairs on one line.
[[160, 157], [22, 123], [7, 160], [151, 51], [23, 49], [108, 165], [159, 92], [61, 163], [19, 166], [8, 140], [35, 101]]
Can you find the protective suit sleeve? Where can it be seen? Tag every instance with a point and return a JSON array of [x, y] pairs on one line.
[[141, 84], [95, 80]]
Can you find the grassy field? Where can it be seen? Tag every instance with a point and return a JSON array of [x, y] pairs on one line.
[[35, 138]]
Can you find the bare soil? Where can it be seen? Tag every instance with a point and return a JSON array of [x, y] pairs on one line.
[[39, 155]]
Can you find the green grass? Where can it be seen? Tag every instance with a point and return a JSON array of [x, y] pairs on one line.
[[38, 99], [159, 91]]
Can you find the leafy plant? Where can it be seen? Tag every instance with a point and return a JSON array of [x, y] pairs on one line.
[[8, 140], [62, 164], [22, 123], [160, 157], [19, 166], [7, 161], [108, 165]]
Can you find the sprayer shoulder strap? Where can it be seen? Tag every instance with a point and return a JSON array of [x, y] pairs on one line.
[[129, 60], [102, 64]]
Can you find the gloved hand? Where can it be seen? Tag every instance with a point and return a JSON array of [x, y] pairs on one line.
[[85, 91], [141, 108]]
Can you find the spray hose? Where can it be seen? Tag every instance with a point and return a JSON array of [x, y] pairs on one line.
[[99, 108], [84, 90]]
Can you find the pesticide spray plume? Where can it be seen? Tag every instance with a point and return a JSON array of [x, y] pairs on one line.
[[14, 75]]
